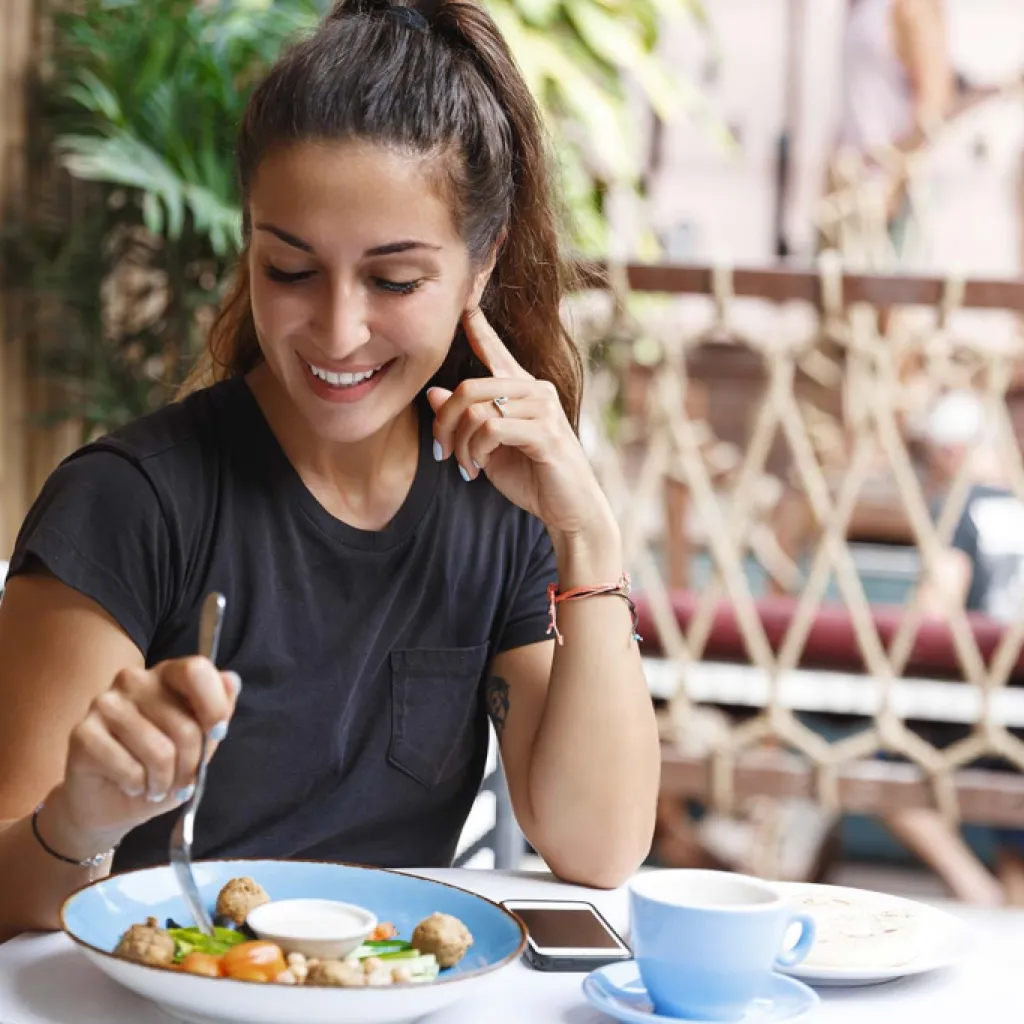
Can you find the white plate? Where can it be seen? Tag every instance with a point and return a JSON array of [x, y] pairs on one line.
[[941, 940]]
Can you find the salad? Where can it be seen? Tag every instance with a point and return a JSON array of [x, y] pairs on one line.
[[437, 943]]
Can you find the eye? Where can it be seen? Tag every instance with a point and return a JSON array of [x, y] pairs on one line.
[[283, 276], [397, 287]]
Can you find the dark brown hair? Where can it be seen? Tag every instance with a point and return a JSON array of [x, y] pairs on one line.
[[434, 79]]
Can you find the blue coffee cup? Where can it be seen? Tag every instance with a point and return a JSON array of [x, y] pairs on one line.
[[707, 942]]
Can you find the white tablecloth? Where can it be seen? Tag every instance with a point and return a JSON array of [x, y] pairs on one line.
[[44, 980]]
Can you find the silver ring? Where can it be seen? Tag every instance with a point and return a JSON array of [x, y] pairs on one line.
[[499, 403]]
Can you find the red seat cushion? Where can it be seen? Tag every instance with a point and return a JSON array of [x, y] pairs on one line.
[[831, 643]]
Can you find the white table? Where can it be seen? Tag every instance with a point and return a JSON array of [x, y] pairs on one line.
[[44, 980]]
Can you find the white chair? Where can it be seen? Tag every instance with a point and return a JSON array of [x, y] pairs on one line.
[[492, 837]]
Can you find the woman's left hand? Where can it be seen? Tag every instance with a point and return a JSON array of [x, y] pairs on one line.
[[525, 445]]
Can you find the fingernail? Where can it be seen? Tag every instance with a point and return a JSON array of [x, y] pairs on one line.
[[465, 475], [476, 465], [438, 451], [132, 793], [219, 731], [185, 794], [157, 798], [235, 680]]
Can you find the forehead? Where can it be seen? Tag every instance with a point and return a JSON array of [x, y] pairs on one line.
[[354, 194]]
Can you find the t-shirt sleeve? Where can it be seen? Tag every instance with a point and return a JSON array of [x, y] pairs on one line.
[[99, 528], [965, 534], [527, 621]]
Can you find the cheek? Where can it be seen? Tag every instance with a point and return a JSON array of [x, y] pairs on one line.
[[275, 310], [423, 327]]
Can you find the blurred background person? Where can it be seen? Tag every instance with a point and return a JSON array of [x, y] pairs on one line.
[[981, 570], [897, 88]]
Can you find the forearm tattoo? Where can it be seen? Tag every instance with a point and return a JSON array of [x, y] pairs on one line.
[[497, 702]]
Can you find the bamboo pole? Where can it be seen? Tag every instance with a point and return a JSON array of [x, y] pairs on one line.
[[28, 451], [16, 56]]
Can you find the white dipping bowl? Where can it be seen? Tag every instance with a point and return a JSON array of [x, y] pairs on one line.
[[326, 929]]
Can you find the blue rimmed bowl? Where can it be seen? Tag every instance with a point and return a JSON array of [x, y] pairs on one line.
[[95, 918]]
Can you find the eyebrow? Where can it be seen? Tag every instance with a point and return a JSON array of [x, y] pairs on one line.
[[380, 250]]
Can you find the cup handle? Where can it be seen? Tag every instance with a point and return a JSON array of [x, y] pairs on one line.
[[613, 991], [791, 957]]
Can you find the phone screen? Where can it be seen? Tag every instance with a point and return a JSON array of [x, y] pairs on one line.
[[566, 928]]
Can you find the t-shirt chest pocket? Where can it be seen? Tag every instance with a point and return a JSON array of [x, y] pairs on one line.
[[434, 702]]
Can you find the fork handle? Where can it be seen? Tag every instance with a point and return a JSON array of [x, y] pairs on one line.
[[210, 623]]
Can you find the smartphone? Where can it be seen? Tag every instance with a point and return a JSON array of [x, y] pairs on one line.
[[567, 935]]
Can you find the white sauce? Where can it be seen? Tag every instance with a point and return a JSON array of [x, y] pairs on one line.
[[314, 919]]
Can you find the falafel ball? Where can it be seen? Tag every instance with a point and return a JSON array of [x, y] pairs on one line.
[[240, 896], [444, 936], [336, 974], [146, 944]]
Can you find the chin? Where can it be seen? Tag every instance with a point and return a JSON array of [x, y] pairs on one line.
[[347, 421], [347, 429]]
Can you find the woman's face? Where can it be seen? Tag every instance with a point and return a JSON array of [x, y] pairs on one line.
[[358, 277]]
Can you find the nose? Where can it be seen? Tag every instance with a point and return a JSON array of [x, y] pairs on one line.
[[346, 325]]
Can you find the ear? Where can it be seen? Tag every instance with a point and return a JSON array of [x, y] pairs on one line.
[[483, 275], [479, 285]]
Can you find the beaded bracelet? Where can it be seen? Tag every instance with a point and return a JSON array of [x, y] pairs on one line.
[[556, 597], [89, 862]]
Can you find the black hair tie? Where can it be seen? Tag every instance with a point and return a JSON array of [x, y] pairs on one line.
[[408, 16]]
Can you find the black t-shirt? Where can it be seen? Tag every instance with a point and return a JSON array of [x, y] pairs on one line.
[[361, 730], [991, 533]]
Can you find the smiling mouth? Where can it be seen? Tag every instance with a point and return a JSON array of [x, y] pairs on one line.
[[344, 380]]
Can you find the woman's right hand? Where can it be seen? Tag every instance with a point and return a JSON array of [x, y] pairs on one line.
[[135, 754]]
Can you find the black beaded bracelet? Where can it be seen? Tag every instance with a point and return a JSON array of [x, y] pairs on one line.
[[90, 862]]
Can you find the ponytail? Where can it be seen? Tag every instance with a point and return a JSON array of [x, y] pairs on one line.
[[531, 275]]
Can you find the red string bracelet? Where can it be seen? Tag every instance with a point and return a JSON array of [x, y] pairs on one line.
[[556, 597]]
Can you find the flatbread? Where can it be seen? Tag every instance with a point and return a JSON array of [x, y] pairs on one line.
[[857, 934]]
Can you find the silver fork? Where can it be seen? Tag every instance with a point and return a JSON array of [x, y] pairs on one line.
[[181, 836]]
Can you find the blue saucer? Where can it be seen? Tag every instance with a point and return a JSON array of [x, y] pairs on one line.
[[785, 1000]]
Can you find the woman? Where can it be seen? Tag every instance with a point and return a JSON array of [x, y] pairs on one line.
[[383, 506], [898, 79], [898, 85]]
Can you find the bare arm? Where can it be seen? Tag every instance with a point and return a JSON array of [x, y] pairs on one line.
[[106, 742], [922, 39], [58, 652], [947, 585], [578, 735], [923, 44]]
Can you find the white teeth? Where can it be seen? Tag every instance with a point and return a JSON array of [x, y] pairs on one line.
[[341, 380]]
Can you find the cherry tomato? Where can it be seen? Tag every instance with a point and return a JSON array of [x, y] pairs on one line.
[[202, 963], [249, 974], [253, 961]]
